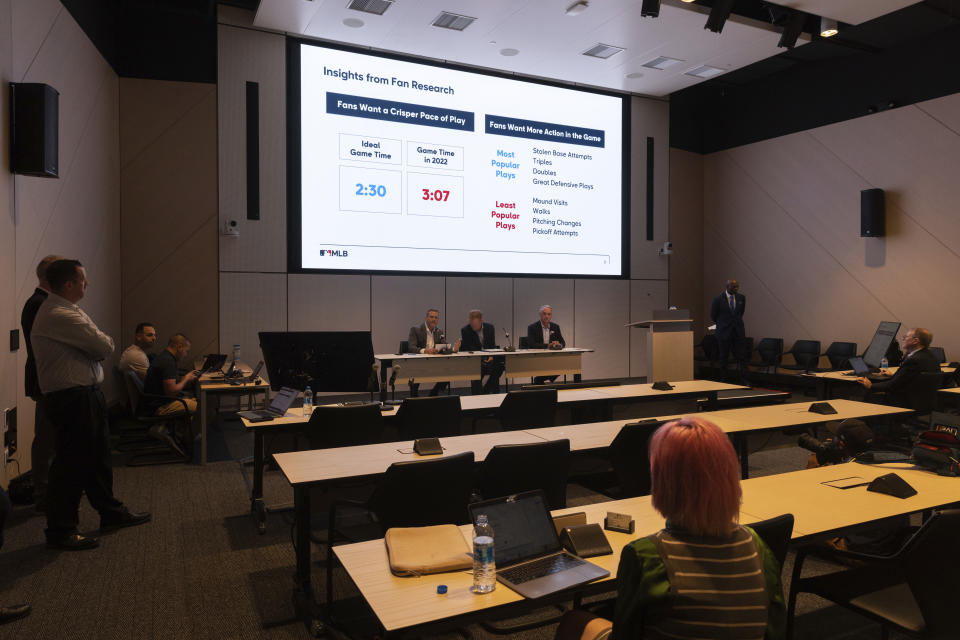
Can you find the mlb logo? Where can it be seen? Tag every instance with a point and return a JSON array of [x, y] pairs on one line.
[[323, 252]]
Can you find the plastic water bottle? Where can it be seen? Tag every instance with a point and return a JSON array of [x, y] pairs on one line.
[[307, 401], [884, 363], [484, 567], [236, 352]]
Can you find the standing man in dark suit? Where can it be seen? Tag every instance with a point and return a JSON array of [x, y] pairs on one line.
[[727, 313], [905, 387], [424, 339], [44, 433], [545, 334], [477, 336]]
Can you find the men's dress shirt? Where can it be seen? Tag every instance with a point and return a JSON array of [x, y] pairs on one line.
[[430, 343], [731, 301], [134, 359], [479, 333], [546, 333], [68, 346]]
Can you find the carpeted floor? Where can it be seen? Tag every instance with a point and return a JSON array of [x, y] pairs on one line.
[[200, 570]]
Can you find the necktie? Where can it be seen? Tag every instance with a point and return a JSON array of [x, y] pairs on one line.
[[733, 304]]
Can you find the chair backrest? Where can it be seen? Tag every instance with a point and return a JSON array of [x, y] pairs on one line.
[[840, 353], [431, 417], [933, 571], [806, 353], [630, 457], [332, 426], [531, 409], [514, 468], [404, 346], [939, 354], [422, 493], [133, 388], [711, 347], [922, 394], [776, 532], [771, 351], [523, 343]]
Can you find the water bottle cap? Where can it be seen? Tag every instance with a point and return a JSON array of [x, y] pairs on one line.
[[482, 519], [441, 589]]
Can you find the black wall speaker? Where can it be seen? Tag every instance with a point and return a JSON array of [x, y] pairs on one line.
[[873, 214], [34, 129]]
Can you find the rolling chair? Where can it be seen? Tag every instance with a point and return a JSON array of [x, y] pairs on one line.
[[333, 426], [514, 468], [939, 354], [148, 443], [806, 353], [433, 417], [770, 351], [839, 354], [630, 456], [530, 409]]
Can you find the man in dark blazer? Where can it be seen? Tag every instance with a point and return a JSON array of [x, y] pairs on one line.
[[906, 387], [727, 313], [476, 336], [544, 334], [424, 339]]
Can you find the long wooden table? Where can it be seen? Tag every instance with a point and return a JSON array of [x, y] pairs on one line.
[[947, 395], [465, 365], [827, 380], [605, 397], [403, 605], [207, 387], [305, 470]]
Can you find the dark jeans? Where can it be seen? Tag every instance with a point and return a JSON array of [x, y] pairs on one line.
[[82, 460], [737, 346], [493, 369], [41, 451], [5, 507]]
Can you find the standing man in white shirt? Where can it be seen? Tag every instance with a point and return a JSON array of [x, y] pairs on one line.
[[69, 349], [136, 357]]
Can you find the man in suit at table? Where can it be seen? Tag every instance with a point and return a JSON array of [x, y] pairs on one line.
[[727, 313], [476, 336], [906, 387], [425, 338], [544, 334]]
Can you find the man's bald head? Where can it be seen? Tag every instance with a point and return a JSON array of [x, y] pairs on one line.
[[178, 345]]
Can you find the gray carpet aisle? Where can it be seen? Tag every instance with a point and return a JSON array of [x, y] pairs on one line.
[[200, 570]]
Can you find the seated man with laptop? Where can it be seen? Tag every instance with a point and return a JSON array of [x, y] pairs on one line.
[[164, 381], [917, 360]]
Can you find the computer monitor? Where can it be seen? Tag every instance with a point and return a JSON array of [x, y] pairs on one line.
[[323, 360], [885, 336]]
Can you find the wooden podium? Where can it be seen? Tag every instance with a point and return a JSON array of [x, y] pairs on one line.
[[668, 349]]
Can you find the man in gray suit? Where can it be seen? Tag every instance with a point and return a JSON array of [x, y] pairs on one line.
[[424, 339]]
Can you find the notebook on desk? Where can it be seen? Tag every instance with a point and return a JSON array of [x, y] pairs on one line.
[[530, 559]]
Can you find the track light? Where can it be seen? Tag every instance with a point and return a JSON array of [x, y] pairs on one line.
[[828, 28], [577, 8], [792, 29], [719, 13], [650, 9]]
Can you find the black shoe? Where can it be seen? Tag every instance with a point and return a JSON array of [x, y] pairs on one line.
[[14, 612], [72, 542], [126, 518]]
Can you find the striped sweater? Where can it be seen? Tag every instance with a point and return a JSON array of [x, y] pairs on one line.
[[673, 585]]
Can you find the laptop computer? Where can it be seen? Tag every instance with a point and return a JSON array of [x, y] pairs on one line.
[[527, 550], [277, 409], [250, 378], [862, 370], [212, 362]]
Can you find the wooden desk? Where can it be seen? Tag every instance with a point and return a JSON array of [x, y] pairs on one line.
[[947, 395], [465, 365], [405, 604], [208, 387], [825, 380]]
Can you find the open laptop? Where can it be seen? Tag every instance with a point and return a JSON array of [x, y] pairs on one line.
[[212, 362], [527, 550], [250, 378], [862, 370], [277, 409]]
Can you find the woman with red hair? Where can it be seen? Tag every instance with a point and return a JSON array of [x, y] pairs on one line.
[[703, 575]]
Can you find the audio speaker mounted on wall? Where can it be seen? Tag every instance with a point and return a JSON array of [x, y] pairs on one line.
[[873, 213], [34, 129]]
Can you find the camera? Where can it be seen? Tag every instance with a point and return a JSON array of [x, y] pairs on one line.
[[853, 438], [231, 228], [667, 248]]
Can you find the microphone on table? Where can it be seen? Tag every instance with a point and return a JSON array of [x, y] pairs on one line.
[[509, 346], [373, 382], [393, 381]]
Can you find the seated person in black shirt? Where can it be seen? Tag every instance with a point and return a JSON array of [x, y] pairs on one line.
[[163, 379], [477, 336]]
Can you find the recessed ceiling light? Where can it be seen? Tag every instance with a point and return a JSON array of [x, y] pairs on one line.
[[704, 71], [509, 52], [662, 62], [353, 23], [577, 8], [634, 75], [454, 21], [377, 7], [828, 28], [602, 51]]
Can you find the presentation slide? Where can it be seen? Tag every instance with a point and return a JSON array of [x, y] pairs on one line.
[[414, 167]]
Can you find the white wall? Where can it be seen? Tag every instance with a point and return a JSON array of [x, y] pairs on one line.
[[591, 312]]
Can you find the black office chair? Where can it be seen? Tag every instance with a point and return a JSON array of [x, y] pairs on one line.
[[404, 346], [333, 426], [770, 351], [432, 417], [939, 354], [839, 354], [806, 354], [149, 440], [908, 591], [922, 395], [523, 343], [418, 493], [630, 456], [776, 533], [707, 350], [531, 409], [513, 468]]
